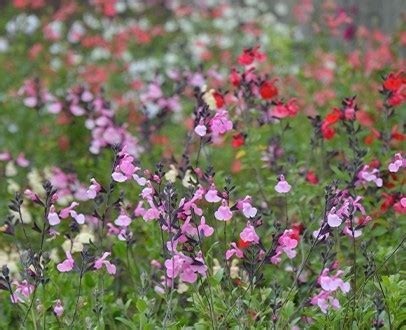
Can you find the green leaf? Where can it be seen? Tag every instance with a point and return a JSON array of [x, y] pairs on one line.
[[128, 323], [142, 305]]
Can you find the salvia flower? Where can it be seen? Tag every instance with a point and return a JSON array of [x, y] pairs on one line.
[[282, 186], [67, 265], [58, 308], [22, 292], [111, 269], [53, 217], [223, 213], [287, 243], [397, 162], [94, 189], [249, 235], [234, 250]]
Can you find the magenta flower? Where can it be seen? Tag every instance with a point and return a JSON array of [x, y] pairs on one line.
[[223, 213], [111, 269], [67, 265], [282, 186], [249, 235], [220, 124]]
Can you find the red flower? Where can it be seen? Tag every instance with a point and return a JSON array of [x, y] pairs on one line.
[[219, 100], [238, 140], [290, 109], [312, 178], [394, 81], [267, 90], [328, 132], [234, 77], [389, 201], [243, 244], [249, 55]]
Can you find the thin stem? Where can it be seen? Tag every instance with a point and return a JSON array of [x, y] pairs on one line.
[[77, 299]]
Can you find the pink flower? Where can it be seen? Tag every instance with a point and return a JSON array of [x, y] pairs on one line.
[[111, 269], [67, 265], [220, 124], [369, 174], [334, 220], [397, 163], [94, 189], [248, 210], [79, 217], [287, 243], [223, 213], [23, 291], [353, 233], [151, 214], [235, 250], [173, 266], [53, 217], [125, 168], [212, 195], [324, 300], [65, 212], [205, 229], [29, 194], [123, 220], [201, 130], [185, 267], [22, 161], [58, 308], [329, 285], [282, 186], [249, 235]]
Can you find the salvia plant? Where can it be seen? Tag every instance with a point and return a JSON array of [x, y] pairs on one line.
[[208, 165]]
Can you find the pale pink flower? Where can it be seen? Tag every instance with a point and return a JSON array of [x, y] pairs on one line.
[[235, 250], [397, 162], [204, 228], [94, 189], [67, 265], [111, 269], [53, 217], [212, 195], [123, 219], [249, 235], [58, 308], [23, 291], [334, 220], [282, 186], [201, 130], [223, 213]]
